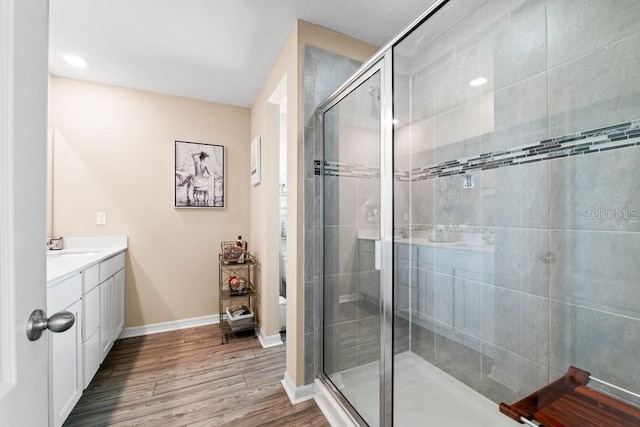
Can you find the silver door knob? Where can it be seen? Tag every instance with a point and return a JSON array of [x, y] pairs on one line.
[[38, 322]]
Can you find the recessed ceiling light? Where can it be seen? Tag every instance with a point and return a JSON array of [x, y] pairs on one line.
[[75, 60], [478, 82]]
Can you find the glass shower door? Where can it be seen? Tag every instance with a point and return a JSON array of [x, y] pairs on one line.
[[351, 292]]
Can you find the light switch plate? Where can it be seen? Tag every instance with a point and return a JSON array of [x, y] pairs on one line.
[[101, 218]]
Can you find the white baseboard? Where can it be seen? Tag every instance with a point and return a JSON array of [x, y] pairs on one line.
[[296, 394], [331, 409], [156, 328], [269, 340]]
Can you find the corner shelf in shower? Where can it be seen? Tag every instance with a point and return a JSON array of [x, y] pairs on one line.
[[568, 402]]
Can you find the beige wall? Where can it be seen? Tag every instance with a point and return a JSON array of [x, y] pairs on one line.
[[265, 216], [114, 152], [265, 221]]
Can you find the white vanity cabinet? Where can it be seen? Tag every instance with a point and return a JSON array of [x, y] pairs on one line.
[[87, 279], [91, 324], [111, 302], [117, 303], [65, 350], [103, 306], [106, 340]]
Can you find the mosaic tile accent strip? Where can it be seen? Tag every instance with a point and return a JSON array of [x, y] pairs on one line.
[[352, 170], [592, 141]]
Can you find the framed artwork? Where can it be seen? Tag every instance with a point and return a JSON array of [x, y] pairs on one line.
[[255, 161], [199, 175]]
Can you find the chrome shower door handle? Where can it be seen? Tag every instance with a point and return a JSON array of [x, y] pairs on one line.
[[38, 322], [378, 254]]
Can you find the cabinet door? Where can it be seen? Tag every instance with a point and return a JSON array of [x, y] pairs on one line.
[[65, 371], [91, 357], [91, 311], [117, 304], [106, 339], [91, 336]]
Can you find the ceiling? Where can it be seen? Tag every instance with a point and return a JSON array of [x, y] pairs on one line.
[[213, 50]]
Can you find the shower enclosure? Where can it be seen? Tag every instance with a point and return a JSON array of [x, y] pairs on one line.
[[481, 211]]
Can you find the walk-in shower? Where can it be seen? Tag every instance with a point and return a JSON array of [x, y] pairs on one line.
[[502, 156]]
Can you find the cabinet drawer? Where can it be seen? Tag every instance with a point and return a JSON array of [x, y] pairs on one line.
[[110, 266], [61, 295], [91, 310], [91, 278]]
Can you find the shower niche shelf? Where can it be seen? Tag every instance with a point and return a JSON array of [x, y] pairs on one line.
[[568, 402]]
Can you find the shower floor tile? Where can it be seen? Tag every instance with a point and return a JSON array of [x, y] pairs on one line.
[[424, 396]]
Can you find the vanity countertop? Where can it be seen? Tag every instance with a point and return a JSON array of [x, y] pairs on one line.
[[79, 253]]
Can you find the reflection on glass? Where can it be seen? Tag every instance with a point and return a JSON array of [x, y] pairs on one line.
[[351, 224], [518, 261]]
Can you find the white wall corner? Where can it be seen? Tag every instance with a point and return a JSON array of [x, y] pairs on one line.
[[296, 394], [156, 328], [269, 340], [331, 409]]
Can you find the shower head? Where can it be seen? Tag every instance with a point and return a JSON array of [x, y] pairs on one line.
[[374, 91]]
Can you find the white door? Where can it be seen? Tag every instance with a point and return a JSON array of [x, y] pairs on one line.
[[23, 132]]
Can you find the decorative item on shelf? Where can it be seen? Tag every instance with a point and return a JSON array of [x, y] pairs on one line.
[[234, 252], [237, 286], [240, 317]]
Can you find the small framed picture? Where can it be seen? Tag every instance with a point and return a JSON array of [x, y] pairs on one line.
[[255, 161], [199, 175]]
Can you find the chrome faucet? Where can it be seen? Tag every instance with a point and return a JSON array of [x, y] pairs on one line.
[[54, 243], [402, 232]]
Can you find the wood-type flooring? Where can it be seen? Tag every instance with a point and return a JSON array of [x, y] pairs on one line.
[[187, 378]]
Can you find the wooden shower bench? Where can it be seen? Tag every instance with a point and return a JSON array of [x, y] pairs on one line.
[[568, 402]]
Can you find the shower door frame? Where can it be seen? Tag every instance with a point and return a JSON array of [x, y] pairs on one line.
[[381, 61], [383, 64]]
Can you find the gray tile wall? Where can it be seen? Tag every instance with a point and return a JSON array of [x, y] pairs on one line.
[[559, 284]]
